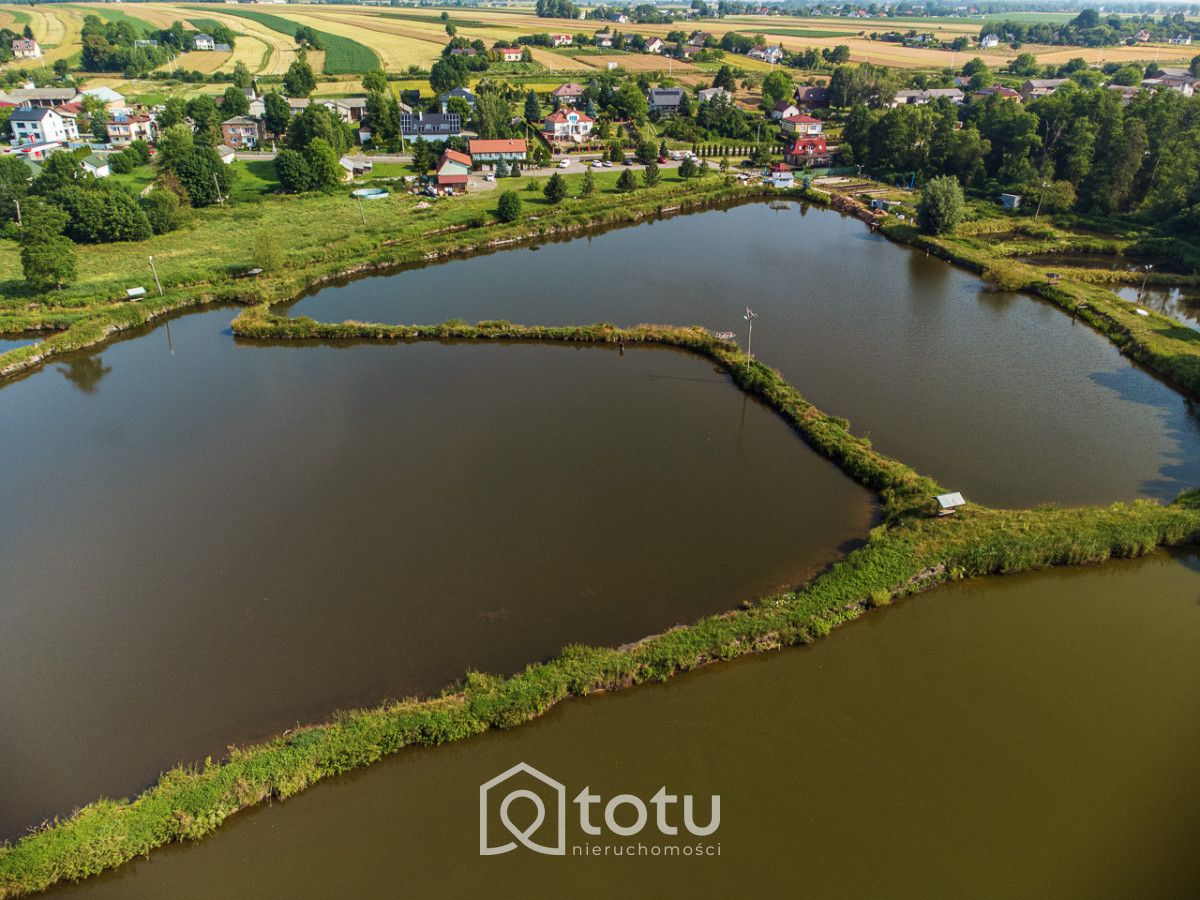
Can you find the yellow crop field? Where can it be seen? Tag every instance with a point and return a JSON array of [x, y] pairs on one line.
[[201, 61]]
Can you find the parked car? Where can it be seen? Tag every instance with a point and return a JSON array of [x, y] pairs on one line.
[[564, 163], [661, 160], [608, 164], [676, 154], [489, 177], [597, 164]]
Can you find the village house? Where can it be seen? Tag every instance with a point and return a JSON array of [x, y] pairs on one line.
[[226, 154], [241, 132], [461, 93], [125, 128], [1041, 87], [29, 153], [664, 101], [47, 98], [26, 48], [707, 95], [348, 109], [96, 166], [1000, 90], [783, 109], [603, 38], [423, 126], [655, 45], [1182, 40], [807, 151], [510, 54], [772, 54], [567, 125], [619, 18], [699, 38], [687, 51], [490, 152], [1142, 36], [812, 96], [561, 40], [36, 125], [453, 170], [204, 42], [801, 125], [570, 93], [989, 40], [781, 176], [463, 51], [919, 98], [1177, 79]]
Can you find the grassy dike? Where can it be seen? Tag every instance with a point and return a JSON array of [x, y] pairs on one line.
[[910, 552]]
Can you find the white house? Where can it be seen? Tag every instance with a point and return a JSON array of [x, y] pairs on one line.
[[783, 109], [113, 101], [989, 40], [707, 95], [124, 129], [510, 54], [561, 40], [567, 124], [26, 48], [603, 38], [772, 54], [37, 125], [801, 125], [204, 42], [96, 165], [654, 45]]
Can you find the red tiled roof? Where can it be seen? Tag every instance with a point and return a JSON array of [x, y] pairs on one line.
[[570, 89], [497, 146], [560, 115], [455, 156], [801, 120], [452, 179]]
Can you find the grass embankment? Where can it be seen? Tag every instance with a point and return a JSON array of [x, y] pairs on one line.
[[908, 553], [318, 236], [343, 55]]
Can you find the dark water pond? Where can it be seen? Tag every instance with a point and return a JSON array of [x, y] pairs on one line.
[[998, 395], [204, 543], [1182, 303], [1029, 736]]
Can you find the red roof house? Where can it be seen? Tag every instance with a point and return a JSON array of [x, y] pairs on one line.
[[806, 151]]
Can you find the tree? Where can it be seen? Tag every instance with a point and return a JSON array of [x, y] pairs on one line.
[[323, 166], [164, 210], [646, 153], [174, 112], [14, 186], [556, 188], [62, 68], [1026, 64], [308, 38], [234, 102], [533, 109], [317, 121], [276, 113], [448, 73], [291, 168], [627, 182], [615, 152], [687, 168], [375, 80], [202, 174], [501, 169], [509, 207], [942, 206], [241, 75], [1195, 66], [589, 184], [100, 215], [299, 80], [47, 258], [724, 79], [777, 85], [206, 120], [492, 115], [650, 175]]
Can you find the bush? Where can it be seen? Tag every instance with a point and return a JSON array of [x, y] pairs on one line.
[[164, 210], [267, 255], [509, 208], [556, 188], [942, 207], [627, 182]]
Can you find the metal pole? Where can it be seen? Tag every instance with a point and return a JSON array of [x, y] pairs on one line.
[[1041, 197], [217, 185], [18, 202], [361, 214], [750, 316], [156, 281], [1145, 278]]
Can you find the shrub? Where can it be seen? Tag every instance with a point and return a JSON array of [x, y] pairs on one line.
[[164, 210], [509, 208], [556, 188]]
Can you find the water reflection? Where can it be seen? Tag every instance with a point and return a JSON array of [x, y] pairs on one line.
[[85, 372]]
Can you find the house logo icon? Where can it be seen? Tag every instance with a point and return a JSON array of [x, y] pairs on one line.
[[492, 796]]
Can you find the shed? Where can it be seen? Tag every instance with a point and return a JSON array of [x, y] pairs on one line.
[[1010, 201]]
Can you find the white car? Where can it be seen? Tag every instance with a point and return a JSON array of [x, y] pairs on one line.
[[564, 164], [597, 164]]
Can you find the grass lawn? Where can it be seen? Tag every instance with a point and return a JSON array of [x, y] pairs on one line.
[[137, 180], [390, 170], [253, 179]]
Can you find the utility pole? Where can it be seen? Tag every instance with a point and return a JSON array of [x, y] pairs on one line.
[[18, 202], [750, 316], [1145, 278], [217, 185], [156, 281], [1041, 197], [361, 214]]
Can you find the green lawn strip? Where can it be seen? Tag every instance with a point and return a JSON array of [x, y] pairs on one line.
[[913, 555], [798, 32], [343, 55], [435, 20], [110, 13]]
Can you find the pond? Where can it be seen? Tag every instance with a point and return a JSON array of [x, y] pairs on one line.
[[1182, 303], [998, 395], [1026, 736], [206, 543]]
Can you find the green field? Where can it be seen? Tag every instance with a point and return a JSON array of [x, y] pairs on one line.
[[114, 14], [797, 32], [425, 20], [343, 56]]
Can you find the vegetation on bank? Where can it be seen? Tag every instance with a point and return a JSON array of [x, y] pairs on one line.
[[911, 551]]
